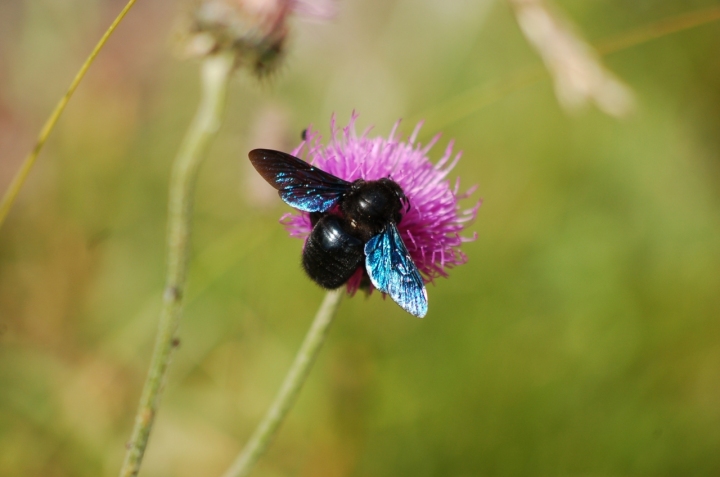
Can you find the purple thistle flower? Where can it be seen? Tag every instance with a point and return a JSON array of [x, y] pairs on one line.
[[431, 227]]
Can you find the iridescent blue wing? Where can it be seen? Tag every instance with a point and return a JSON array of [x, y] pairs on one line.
[[299, 184], [392, 271]]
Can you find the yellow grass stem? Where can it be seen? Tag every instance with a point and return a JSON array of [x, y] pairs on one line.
[[11, 193]]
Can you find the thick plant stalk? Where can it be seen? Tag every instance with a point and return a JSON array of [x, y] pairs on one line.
[[295, 378], [216, 71], [13, 189]]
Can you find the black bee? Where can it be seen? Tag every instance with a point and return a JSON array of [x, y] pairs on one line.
[[352, 222]]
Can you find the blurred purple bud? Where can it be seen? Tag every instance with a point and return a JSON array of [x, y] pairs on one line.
[[256, 30]]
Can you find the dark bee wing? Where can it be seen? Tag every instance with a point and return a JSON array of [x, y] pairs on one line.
[[392, 271], [299, 184]]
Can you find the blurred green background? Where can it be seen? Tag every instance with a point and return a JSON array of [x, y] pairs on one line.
[[582, 338]]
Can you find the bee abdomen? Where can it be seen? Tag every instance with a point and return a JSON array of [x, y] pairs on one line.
[[331, 254]]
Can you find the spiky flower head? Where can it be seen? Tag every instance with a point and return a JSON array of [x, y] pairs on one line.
[[256, 31], [432, 226]]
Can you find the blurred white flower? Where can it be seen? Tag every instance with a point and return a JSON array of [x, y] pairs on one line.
[[578, 74]]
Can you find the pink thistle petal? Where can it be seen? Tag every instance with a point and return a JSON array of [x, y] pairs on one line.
[[431, 227]]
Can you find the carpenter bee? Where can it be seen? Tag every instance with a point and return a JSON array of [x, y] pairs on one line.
[[352, 222]]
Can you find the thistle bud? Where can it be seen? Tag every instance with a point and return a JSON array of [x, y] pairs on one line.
[[255, 30]]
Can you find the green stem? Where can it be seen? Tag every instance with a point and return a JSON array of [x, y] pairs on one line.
[[13, 189], [215, 75], [295, 378]]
